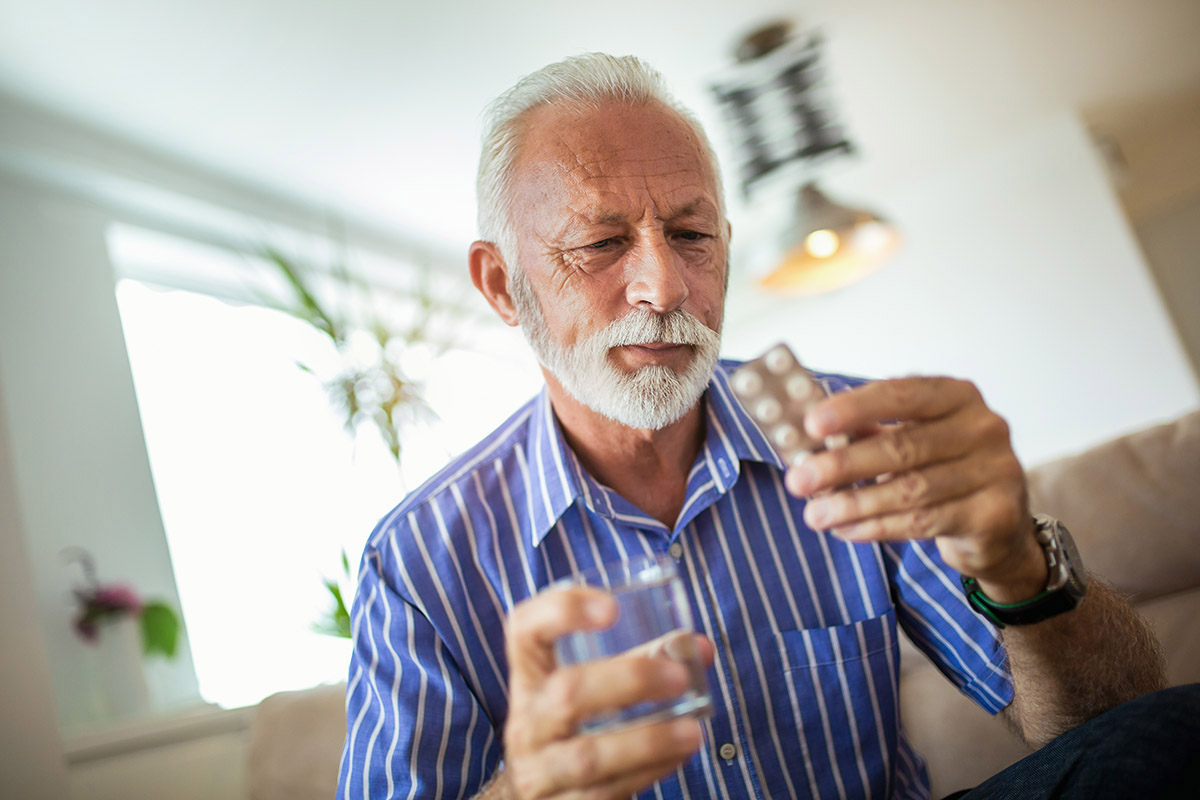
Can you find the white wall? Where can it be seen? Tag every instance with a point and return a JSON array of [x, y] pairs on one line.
[[1171, 241], [31, 752], [1019, 272], [82, 477]]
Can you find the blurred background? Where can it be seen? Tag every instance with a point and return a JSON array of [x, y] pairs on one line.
[[236, 326]]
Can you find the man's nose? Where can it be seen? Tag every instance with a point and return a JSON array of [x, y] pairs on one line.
[[655, 277]]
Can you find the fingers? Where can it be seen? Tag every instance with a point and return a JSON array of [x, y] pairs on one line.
[[706, 650], [914, 489], [549, 703], [977, 534], [677, 645], [535, 624], [973, 515], [970, 430], [897, 449], [544, 753], [941, 463], [608, 765], [574, 694], [881, 401]]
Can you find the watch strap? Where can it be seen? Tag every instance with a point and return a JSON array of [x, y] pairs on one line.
[[1041, 606], [1064, 589]]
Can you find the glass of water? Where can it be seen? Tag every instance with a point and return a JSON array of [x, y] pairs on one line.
[[653, 619]]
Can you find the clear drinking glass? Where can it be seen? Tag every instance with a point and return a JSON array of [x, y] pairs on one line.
[[653, 618]]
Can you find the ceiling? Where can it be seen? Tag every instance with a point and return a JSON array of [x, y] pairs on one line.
[[371, 109]]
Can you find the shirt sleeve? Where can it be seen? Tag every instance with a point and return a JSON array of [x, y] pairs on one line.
[[414, 729], [934, 612]]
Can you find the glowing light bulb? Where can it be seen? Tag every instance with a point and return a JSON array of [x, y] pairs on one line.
[[822, 243]]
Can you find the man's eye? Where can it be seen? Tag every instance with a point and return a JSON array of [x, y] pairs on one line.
[[603, 243], [692, 236]]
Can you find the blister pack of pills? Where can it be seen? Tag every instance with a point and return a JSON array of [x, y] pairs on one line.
[[778, 391]]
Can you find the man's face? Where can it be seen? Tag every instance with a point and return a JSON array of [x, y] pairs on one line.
[[623, 248]]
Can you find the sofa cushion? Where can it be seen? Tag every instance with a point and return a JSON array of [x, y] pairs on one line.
[[962, 744], [1176, 622], [296, 743], [1133, 506]]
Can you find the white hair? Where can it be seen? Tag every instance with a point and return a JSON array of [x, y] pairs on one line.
[[582, 82]]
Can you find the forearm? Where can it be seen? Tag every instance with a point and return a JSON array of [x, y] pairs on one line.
[[1073, 667]]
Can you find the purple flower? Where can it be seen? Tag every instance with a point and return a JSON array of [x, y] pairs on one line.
[[104, 604], [117, 597]]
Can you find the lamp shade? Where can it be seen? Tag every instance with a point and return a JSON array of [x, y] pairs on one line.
[[829, 246]]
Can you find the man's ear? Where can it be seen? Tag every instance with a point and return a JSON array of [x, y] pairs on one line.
[[728, 252], [489, 273]]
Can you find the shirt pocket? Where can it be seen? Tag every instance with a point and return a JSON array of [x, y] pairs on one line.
[[814, 648], [839, 685]]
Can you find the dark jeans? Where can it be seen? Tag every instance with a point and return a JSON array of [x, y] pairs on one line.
[[1146, 748]]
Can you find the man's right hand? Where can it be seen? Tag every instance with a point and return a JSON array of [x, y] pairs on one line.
[[544, 754]]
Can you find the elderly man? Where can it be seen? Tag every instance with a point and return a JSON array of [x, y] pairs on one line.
[[603, 236]]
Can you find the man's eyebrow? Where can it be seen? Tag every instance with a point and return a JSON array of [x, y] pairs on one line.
[[692, 208], [689, 209], [608, 218]]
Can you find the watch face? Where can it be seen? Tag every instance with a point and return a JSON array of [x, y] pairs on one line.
[[1074, 563], [1070, 568]]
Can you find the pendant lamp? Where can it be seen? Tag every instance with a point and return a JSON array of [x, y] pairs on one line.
[[777, 102], [829, 245]]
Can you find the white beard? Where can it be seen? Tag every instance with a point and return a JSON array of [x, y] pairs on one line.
[[650, 397]]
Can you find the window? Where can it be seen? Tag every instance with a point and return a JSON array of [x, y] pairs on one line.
[[259, 485]]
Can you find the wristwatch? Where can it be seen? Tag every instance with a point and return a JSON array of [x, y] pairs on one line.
[[1066, 587]]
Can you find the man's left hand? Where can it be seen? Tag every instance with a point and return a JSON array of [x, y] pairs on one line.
[[943, 467]]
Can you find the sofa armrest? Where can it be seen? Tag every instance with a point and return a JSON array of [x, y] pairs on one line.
[[295, 746]]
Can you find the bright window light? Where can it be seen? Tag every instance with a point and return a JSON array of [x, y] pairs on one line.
[[259, 485]]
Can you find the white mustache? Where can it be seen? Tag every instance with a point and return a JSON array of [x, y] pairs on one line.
[[647, 327]]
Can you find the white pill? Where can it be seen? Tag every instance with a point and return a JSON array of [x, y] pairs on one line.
[[768, 410], [747, 382], [787, 437], [800, 386], [836, 441], [780, 360]]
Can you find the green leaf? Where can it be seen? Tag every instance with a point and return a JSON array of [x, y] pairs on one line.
[[345, 562], [312, 311], [160, 630], [337, 621]]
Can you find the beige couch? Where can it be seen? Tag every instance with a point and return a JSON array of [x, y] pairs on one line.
[[1134, 507]]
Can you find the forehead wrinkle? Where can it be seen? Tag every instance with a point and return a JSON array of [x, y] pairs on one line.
[[610, 195], [610, 167], [599, 214]]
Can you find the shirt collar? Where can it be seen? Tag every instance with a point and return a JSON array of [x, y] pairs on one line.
[[731, 430], [553, 471], [744, 438], [557, 479]]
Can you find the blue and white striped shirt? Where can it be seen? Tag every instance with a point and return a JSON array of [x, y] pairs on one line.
[[805, 684]]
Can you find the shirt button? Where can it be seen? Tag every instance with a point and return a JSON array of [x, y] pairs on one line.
[[676, 550], [727, 751]]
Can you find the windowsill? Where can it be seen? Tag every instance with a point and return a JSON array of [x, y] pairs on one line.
[[145, 734]]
